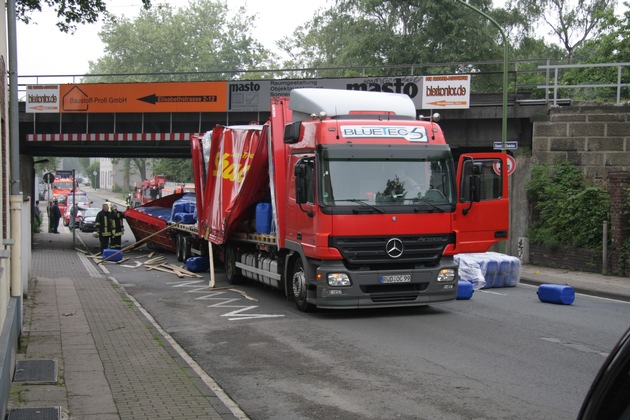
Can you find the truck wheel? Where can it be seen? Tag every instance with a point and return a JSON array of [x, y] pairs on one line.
[[186, 247], [232, 272], [299, 287], [178, 248]]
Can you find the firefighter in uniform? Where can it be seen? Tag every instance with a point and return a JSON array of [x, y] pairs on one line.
[[103, 227], [118, 228]]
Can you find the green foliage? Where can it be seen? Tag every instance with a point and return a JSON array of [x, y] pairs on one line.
[[572, 22], [372, 33], [625, 246], [176, 170], [94, 167], [612, 47], [37, 223], [201, 37], [50, 166], [568, 209]]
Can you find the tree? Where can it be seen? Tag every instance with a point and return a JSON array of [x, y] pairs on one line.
[[201, 39], [70, 12], [176, 170], [612, 46], [375, 32], [572, 22]]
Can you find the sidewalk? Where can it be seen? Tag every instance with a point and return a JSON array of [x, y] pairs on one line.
[[113, 363], [587, 283]]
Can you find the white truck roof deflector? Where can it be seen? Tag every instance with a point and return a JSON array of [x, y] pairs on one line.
[[334, 102]]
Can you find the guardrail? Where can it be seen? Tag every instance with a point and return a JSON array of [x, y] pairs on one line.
[[542, 80], [554, 79]]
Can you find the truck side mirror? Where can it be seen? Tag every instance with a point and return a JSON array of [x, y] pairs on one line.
[[300, 183], [292, 133]]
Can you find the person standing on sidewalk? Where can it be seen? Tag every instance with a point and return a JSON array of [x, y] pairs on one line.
[[55, 215], [118, 228], [104, 227]]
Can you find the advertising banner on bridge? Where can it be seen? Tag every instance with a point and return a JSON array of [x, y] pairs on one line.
[[42, 98], [446, 92], [128, 97], [427, 93], [256, 95]]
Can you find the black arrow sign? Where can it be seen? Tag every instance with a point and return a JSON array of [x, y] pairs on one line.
[[153, 99]]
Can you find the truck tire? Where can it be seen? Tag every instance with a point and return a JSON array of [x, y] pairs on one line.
[[186, 247], [178, 248], [233, 274], [298, 281]]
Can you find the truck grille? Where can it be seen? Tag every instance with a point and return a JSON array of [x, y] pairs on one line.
[[371, 251]]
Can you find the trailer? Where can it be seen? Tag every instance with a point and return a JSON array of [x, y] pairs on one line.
[[163, 226]]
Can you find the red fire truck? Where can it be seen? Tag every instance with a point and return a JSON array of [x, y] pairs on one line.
[[150, 190]]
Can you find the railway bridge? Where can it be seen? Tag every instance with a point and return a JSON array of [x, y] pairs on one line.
[[157, 119]]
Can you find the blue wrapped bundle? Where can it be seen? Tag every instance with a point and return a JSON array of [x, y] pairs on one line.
[[464, 290], [197, 264], [107, 253], [185, 218]]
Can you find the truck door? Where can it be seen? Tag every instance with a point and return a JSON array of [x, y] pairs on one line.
[[482, 216]]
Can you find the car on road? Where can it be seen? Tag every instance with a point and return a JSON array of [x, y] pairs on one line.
[[82, 203], [88, 221], [66, 216]]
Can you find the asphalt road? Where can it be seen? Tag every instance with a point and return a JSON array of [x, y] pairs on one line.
[[501, 355]]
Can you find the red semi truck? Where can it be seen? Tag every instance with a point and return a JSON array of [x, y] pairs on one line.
[[343, 199]]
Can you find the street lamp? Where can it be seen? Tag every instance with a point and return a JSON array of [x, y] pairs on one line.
[[505, 70]]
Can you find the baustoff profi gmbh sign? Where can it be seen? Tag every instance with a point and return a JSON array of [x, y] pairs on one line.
[[446, 92]]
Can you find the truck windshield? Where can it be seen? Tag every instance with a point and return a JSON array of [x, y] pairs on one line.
[[408, 178]]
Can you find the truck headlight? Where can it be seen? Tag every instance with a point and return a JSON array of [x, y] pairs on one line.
[[338, 279], [446, 274]]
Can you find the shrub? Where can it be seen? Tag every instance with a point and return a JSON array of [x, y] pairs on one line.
[[568, 209]]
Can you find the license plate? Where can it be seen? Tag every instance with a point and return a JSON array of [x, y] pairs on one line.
[[401, 278]]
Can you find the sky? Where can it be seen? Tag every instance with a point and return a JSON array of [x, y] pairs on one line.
[[44, 50]]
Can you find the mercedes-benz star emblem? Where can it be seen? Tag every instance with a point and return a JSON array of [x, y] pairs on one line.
[[394, 248]]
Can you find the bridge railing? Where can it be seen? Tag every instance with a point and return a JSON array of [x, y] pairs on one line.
[[540, 80], [580, 79]]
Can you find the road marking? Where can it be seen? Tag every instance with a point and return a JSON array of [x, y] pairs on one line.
[[492, 293], [223, 302], [574, 346]]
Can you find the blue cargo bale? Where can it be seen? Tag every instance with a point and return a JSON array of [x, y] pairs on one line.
[[263, 218], [197, 264], [185, 218], [464, 290], [556, 293], [107, 253], [179, 207]]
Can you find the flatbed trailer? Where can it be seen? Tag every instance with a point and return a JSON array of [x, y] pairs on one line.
[[152, 220]]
